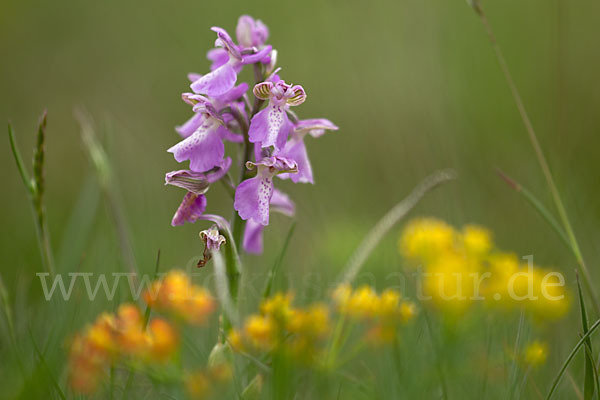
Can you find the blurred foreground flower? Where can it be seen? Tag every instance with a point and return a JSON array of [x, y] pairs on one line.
[[176, 295], [125, 338], [463, 267], [118, 338]]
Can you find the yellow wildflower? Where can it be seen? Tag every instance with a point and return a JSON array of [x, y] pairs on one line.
[[163, 340], [363, 303], [261, 331], [450, 284], [426, 239], [313, 322], [278, 307], [476, 241], [176, 294]]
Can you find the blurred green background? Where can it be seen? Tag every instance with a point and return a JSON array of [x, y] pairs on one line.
[[413, 85]]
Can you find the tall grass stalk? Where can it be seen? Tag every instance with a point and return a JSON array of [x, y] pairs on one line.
[[541, 158], [35, 187], [391, 218]]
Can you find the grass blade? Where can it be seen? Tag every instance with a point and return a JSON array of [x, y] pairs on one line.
[[570, 357], [537, 205], [541, 158], [36, 188], [42, 361], [278, 261], [19, 161], [590, 374], [382, 227]]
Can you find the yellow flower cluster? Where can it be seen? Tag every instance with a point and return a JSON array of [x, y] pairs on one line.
[[175, 294], [117, 337], [122, 337], [279, 326], [385, 312], [461, 267]]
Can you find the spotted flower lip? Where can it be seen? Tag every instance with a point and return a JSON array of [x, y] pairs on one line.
[[197, 182], [223, 77], [253, 232], [271, 126], [253, 196]]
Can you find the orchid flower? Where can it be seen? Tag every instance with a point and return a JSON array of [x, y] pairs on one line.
[[197, 184], [253, 196], [271, 126], [204, 148], [223, 77], [250, 33]]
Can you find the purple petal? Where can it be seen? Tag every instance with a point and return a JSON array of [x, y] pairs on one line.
[[195, 182], [296, 150], [250, 32], [219, 171], [204, 148], [281, 203], [190, 209], [192, 76], [253, 233], [217, 82], [273, 165], [257, 57], [270, 127], [224, 40], [315, 127], [233, 94], [190, 126], [253, 237], [218, 57], [252, 198]]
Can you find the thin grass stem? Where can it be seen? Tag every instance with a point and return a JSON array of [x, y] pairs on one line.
[[476, 4]]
